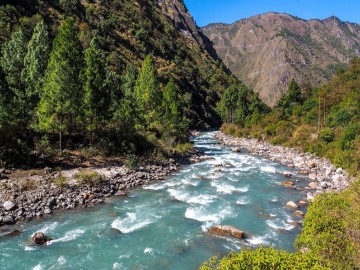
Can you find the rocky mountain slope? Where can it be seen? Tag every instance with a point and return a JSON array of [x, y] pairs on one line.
[[267, 51]]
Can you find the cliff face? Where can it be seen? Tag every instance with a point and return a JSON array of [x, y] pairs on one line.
[[184, 22], [267, 51]]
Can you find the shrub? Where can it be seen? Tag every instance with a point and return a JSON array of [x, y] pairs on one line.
[[349, 135], [327, 135], [324, 233], [264, 258], [89, 177], [183, 148], [61, 181]]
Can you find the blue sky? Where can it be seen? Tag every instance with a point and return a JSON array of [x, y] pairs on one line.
[[228, 11]]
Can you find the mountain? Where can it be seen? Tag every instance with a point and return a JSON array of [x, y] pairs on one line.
[[267, 51], [128, 31]]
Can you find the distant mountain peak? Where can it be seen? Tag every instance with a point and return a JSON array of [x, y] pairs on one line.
[[266, 51]]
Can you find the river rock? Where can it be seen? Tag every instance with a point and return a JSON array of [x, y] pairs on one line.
[[287, 174], [292, 205], [40, 238], [8, 220], [312, 185], [302, 203], [287, 184], [14, 233], [225, 230], [120, 194], [9, 205], [299, 214]]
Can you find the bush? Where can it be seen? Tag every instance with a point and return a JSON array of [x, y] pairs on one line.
[[265, 258], [183, 148], [327, 135], [324, 234], [89, 177], [350, 133]]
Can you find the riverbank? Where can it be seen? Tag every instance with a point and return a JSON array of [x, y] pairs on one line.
[[325, 176], [37, 193]]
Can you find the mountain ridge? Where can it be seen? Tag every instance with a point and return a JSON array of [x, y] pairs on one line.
[[266, 51]]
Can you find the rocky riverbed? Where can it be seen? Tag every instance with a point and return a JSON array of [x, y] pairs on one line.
[[35, 194], [325, 176]]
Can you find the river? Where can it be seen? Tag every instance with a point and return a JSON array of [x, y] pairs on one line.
[[163, 225]]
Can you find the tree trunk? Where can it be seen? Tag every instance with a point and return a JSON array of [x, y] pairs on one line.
[[60, 141]]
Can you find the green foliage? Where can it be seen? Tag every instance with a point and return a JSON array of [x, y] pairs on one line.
[[351, 132], [96, 89], [327, 135], [35, 63], [60, 101], [89, 177], [12, 64], [265, 258], [325, 231], [147, 95]]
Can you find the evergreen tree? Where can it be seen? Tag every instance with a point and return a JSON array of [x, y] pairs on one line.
[[60, 101], [293, 95], [125, 112], [96, 92], [35, 64], [12, 63], [233, 106], [147, 95], [175, 123]]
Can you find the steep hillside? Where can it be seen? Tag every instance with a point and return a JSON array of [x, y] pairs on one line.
[[128, 31], [121, 76], [267, 51]]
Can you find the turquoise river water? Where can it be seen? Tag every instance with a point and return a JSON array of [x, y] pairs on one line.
[[163, 225]]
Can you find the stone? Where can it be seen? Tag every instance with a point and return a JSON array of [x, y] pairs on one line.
[[302, 203], [121, 194], [287, 184], [311, 164], [299, 214], [8, 220], [312, 185], [14, 233], [9, 205], [292, 205], [225, 230], [287, 174], [40, 238]]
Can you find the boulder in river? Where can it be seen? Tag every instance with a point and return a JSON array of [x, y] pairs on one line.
[[225, 230], [287, 184], [40, 238], [292, 205]]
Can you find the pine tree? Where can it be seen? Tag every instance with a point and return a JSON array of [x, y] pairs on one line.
[[12, 63], [35, 64], [147, 95], [60, 101], [125, 110], [96, 92]]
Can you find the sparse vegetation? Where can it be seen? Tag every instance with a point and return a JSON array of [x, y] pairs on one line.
[[89, 177]]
